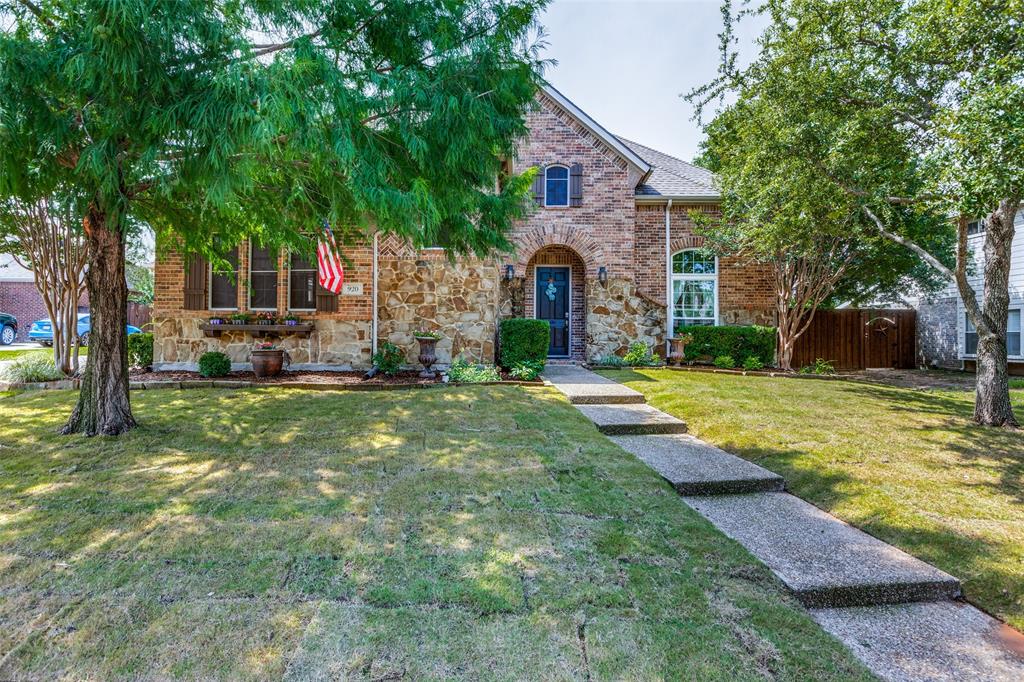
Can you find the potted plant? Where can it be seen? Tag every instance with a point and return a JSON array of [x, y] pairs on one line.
[[677, 349], [267, 360], [239, 318], [216, 319], [428, 350], [265, 317], [291, 319]]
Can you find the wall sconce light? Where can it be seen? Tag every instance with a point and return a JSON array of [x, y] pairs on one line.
[[602, 275], [510, 272]]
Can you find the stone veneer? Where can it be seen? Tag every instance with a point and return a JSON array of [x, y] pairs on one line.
[[336, 344], [937, 332], [458, 300], [620, 314]]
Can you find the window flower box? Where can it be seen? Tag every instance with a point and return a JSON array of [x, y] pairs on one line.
[[300, 329]]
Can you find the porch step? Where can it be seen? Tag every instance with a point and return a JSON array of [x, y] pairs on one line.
[[631, 419], [695, 468], [824, 561], [946, 640], [583, 387]]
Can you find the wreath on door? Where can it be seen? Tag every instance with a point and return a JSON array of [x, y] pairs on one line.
[[552, 289]]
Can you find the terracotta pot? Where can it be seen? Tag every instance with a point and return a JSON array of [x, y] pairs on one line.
[[676, 351], [267, 363], [428, 355]]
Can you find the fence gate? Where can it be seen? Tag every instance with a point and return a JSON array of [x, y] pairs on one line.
[[855, 339]]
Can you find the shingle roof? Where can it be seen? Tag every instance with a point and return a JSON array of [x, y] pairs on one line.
[[672, 177]]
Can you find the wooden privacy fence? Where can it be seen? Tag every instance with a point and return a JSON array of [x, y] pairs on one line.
[[138, 315], [859, 339]]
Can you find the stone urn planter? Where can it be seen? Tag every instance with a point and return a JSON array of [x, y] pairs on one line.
[[677, 349], [428, 353], [267, 362]]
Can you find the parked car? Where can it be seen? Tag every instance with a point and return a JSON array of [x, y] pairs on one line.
[[41, 331], [8, 329]]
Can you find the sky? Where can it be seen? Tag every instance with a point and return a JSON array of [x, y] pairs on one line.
[[627, 63]]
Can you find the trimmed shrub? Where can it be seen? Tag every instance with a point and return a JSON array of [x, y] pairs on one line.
[[140, 350], [724, 362], [388, 358], [752, 364], [463, 372], [32, 369], [524, 340], [527, 370], [739, 342], [214, 364]]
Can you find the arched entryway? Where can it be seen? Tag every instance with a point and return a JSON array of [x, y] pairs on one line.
[[555, 290]]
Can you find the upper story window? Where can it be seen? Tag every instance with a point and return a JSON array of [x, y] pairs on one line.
[[694, 288], [262, 278], [224, 285], [302, 282], [976, 227], [556, 186]]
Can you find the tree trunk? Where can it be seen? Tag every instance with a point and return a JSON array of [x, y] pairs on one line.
[[103, 402], [992, 396]]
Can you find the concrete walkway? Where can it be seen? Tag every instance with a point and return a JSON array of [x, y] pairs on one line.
[[896, 613]]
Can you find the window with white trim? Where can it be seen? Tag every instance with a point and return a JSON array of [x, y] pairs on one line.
[[262, 278], [556, 186], [1013, 333], [976, 227], [1013, 323], [694, 288], [970, 336]]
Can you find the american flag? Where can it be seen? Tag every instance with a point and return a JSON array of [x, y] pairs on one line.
[[329, 268]]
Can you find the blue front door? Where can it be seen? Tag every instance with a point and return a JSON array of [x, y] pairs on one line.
[[553, 305]]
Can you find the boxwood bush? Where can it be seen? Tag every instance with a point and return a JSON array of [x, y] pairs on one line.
[[140, 350], [737, 342], [524, 340], [214, 364]]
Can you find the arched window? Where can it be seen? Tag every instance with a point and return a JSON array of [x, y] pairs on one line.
[[694, 288], [556, 186]]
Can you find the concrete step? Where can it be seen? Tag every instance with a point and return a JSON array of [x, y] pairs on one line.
[[624, 420], [947, 640], [695, 468], [824, 561], [583, 387]]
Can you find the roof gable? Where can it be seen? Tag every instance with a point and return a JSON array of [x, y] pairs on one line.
[[673, 178]]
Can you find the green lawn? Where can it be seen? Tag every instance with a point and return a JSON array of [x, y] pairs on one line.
[[473, 532], [16, 353], [907, 466]]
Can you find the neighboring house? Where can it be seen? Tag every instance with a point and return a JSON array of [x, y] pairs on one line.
[[946, 337], [609, 257], [19, 296]]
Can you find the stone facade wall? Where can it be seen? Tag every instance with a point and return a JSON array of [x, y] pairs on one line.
[[937, 333], [337, 344], [620, 314], [458, 300]]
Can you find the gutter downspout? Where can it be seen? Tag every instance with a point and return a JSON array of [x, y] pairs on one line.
[[670, 333], [373, 321]]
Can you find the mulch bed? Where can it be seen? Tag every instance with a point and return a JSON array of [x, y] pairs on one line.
[[298, 377]]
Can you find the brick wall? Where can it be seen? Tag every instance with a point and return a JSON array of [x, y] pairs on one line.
[[745, 292], [22, 299]]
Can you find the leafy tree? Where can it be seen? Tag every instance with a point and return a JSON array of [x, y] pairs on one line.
[[44, 237], [213, 121], [912, 114]]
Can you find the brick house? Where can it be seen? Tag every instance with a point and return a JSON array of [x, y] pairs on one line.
[[609, 256]]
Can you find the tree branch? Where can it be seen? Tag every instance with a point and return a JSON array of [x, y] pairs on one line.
[[927, 257]]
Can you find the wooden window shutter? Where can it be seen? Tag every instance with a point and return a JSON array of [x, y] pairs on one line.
[[576, 184], [326, 302], [195, 283], [538, 186]]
